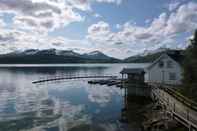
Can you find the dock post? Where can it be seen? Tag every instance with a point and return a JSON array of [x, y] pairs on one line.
[[190, 128], [173, 110], [187, 114]]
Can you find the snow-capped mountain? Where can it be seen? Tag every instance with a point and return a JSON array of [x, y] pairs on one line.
[[55, 56], [96, 55], [67, 53], [46, 52], [30, 52]]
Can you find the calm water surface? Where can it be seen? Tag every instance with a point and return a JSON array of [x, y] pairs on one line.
[[69, 105]]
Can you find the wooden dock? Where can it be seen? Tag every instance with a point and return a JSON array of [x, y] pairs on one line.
[[108, 82], [73, 77]]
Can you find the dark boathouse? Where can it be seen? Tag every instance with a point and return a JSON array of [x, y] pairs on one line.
[[133, 75], [134, 82]]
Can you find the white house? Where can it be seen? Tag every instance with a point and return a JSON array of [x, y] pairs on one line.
[[166, 69]]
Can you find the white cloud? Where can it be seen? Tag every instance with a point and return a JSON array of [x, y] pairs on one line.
[[183, 20], [174, 5], [148, 21], [85, 5], [162, 31], [34, 19], [15, 40], [101, 29], [2, 23], [97, 15], [44, 15], [110, 1]]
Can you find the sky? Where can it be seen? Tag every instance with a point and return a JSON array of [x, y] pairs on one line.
[[118, 28]]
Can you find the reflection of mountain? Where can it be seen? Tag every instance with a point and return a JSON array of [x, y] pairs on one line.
[[54, 70], [54, 56]]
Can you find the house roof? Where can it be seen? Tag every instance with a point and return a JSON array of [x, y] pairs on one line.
[[175, 55], [132, 71]]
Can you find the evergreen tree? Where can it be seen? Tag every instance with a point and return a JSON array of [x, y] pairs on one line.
[[190, 68]]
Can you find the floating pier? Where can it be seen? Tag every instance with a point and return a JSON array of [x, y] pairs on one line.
[[108, 82]]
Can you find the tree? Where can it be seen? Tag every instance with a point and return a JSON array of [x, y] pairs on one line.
[[190, 68]]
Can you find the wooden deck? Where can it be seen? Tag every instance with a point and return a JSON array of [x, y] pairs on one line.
[[180, 109]]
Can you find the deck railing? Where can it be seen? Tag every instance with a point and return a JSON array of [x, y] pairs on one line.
[[182, 109]]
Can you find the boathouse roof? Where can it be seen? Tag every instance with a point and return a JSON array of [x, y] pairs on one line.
[[132, 71]]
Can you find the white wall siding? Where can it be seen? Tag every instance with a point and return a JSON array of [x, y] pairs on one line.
[[161, 75]]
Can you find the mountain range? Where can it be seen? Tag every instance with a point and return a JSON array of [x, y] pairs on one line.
[[53, 56]]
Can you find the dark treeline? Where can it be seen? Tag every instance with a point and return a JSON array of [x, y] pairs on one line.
[[190, 69]]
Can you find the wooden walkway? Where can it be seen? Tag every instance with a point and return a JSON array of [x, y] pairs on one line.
[[73, 77], [180, 109]]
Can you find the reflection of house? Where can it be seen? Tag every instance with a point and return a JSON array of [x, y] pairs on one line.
[[166, 69], [134, 75]]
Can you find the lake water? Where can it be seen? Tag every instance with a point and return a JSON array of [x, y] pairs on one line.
[[67, 105]]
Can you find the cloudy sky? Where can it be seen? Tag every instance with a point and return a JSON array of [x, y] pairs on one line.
[[118, 28]]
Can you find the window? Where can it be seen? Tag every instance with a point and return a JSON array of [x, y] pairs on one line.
[[169, 64], [161, 64], [172, 76]]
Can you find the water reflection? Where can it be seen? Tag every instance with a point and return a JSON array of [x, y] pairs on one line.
[[61, 105], [64, 107], [102, 95]]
